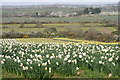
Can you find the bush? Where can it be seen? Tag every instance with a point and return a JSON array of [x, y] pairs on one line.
[[50, 30], [12, 35], [69, 30], [26, 36], [114, 33], [91, 34], [22, 25], [110, 25], [105, 38], [39, 25], [62, 34], [4, 27], [79, 33], [38, 34], [71, 35]]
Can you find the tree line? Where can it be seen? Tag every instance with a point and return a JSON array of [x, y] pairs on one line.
[[92, 10]]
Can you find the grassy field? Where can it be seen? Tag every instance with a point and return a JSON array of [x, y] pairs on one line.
[[33, 10], [58, 40], [39, 40], [62, 19], [6, 74], [83, 74], [29, 30], [54, 25]]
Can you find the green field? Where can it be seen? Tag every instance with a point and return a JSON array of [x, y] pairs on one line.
[[39, 40], [58, 40], [29, 30], [33, 10], [83, 74], [6, 74], [55, 25], [62, 19]]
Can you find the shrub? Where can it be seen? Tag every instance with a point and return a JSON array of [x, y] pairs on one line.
[[110, 25], [106, 38], [26, 36], [39, 25], [22, 25], [12, 35], [91, 34], [4, 27], [114, 33], [38, 34], [69, 30], [62, 34], [71, 35], [79, 33], [50, 30]]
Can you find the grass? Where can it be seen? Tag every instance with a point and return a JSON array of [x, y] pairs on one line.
[[53, 24], [6, 74], [83, 41], [62, 19], [33, 10], [58, 40], [39, 40], [83, 73], [24, 30], [29, 30]]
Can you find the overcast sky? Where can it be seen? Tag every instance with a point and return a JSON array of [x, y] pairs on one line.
[[60, 0], [9, 2]]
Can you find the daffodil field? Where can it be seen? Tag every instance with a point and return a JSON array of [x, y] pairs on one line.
[[41, 60]]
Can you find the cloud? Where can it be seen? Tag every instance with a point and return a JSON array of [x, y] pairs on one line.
[[60, 1]]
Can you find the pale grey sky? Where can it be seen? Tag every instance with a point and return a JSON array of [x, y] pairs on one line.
[[35, 2], [60, 1]]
